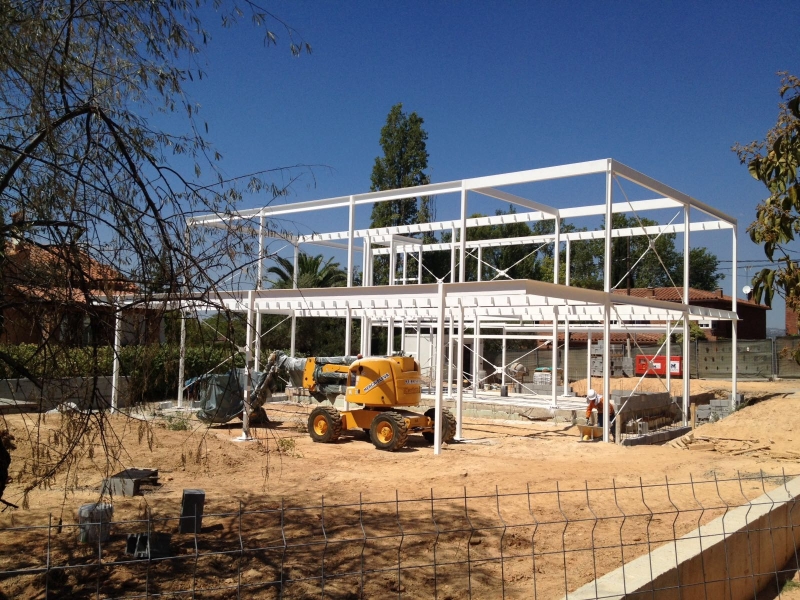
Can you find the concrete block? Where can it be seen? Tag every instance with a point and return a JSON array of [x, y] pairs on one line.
[[94, 522], [129, 482], [192, 504]]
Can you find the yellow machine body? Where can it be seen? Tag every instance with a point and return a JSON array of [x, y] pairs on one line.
[[384, 382], [383, 386]]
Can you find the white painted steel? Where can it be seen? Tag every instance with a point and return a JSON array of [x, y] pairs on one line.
[[650, 231], [669, 356], [554, 364], [687, 359], [607, 303], [350, 240], [476, 336], [348, 332], [503, 358], [588, 360], [116, 366], [450, 342], [382, 235], [460, 384], [452, 247], [665, 190], [462, 240], [182, 359], [437, 435], [519, 201], [505, 305], [541, 174], [734, 322], [248, 366]]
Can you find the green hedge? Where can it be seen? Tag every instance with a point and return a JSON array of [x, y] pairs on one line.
[[153, 370]]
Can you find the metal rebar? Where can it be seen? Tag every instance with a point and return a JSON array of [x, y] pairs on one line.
[[708, 497]]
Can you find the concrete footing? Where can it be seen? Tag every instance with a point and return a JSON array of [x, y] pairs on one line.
[[660, 436], [733, 557]]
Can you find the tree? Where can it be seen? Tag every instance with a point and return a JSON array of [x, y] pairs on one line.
[[312, 272], [774, 162], [87, 178], [703, 273], [583, 258], [403, 164], [517, 262], [695, 333], [314, 336], [634, 264]]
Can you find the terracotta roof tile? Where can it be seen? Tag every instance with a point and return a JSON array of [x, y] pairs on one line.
[[673, 294]]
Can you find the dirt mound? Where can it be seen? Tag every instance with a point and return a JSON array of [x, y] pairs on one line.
[[775, 421], [768, 428]]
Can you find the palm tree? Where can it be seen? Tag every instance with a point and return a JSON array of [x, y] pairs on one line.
[[312, 272]]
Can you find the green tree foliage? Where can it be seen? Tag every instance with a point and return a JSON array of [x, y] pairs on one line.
[[695, 333], [93, 184], [635, 264], [774, 162], [583, 257], [403, 164], [501, 262], [314, 336], [703, 270], [312, 272]]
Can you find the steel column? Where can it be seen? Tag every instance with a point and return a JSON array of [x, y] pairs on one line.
[[460, 372], [463, 237], [437, 435], [117, 349], [450, 342], [734, 324], [686, 330], [607, 304]]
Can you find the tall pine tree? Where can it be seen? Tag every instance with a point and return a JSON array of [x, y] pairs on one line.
[[403, 164]]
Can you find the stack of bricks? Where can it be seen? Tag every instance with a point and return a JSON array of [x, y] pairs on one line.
[[714, 410]]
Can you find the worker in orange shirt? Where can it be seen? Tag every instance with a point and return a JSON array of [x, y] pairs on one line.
[[595, 400]]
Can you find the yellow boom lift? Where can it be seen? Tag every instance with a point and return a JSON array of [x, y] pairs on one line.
[[383, 386]]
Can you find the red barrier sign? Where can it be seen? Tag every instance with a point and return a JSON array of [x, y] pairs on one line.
[[657, 365]]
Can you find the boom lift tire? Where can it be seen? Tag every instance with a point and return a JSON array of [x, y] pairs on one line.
[[389, 431], [448, 429], [324, 424]]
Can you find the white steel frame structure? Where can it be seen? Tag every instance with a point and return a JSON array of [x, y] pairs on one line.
[[513, 306]]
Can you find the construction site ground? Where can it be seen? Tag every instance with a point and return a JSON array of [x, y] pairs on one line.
[[283, 464]]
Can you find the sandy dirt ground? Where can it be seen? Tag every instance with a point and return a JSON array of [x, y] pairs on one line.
[[284, 465]]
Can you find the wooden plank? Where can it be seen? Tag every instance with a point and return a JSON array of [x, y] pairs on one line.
[[731, 439], [702, 446], [753, 449]]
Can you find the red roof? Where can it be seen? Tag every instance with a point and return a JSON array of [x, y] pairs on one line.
[[33, 270], [616, 338], [675, 294]]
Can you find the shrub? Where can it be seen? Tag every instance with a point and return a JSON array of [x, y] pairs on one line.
[[152, 370]]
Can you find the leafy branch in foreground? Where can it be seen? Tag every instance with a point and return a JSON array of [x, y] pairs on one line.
[[774, 162], [94, 196]]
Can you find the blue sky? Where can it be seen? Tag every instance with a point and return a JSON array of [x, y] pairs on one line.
[[665, 88]]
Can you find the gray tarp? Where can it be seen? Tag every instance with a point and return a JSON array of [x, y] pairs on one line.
[[222, 396]]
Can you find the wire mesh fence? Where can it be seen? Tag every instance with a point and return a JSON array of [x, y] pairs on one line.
[[756, 359], [527, 543]]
